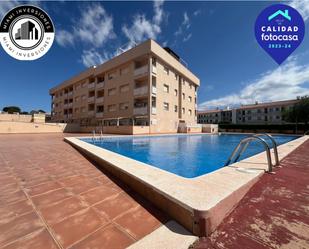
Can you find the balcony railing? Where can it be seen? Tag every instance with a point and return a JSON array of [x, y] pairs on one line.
[[65, 106], [99, 115], [91, 85], [154, 110], [153, 69], [100, 100], [91, 99], [141, 70], [90, 113], [69, 116], [100, 84], [70, 93], [140, 110], [140, 91], [70, 104]]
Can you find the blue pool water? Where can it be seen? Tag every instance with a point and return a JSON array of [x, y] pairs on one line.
[[185, 155]]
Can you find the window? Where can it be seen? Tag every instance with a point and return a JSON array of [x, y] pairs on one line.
[[183, 81], [176, 76], [166, 70], [83, 97], [176, 108], [76, 110], [111, 108], [124, 106], [190, 98], [154, 61], [175, 92], [190, 86], [77, 99], [165, 88], [183, 96], [183, 111], [100, 108], [165, 106], [91, 107], [111, 75], [124, 88], [111, 91], [190, 112]]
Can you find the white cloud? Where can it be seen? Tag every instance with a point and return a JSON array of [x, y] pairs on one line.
[[185, 25], [64, 38], [187, 38], [302, 6], [197, 12], [92, 58], [143, 28], [94, 27], [286, 82]]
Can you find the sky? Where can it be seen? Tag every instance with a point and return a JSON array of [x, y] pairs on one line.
[[216, 39]]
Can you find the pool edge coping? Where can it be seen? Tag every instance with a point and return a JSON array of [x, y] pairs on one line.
[[227, 185]]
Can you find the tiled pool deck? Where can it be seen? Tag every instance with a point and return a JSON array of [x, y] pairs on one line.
[[52, 197], [273, 214]]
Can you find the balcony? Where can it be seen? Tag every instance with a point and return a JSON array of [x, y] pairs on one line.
[[153, 110], [100, 100], [154, 90], [65, 105], [91, 85], [91, 99], [70, 104], [70, 93], [140, 110], [100, 84], [141, 91], [69, 116], [91, 113], [141, 70], [99, 115]]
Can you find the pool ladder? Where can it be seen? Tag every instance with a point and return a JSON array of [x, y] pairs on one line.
[[244, 143], [97, 138]]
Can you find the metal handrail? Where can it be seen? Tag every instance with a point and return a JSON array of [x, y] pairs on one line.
[[243, 144], [274, 145]]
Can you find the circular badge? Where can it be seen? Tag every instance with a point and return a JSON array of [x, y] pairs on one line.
[[26, 32]]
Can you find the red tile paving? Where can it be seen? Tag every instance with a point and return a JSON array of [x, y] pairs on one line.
[[52, 197], [273, 214]]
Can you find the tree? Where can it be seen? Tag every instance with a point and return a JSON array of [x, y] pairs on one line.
[[299, 113], [11, 109]]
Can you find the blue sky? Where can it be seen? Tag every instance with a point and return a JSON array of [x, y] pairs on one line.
[[216, 39]]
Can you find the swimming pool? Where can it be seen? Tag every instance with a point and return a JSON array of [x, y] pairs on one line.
[[184, 155]]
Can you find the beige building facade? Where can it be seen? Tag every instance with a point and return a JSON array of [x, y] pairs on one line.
[[258, 113], [143, 90]]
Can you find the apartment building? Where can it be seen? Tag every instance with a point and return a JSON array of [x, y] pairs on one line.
[[258, 113], [143, 90], [214, 116]]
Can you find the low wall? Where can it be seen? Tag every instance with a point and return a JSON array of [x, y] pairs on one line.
[[127, 130], [15, 117], [210, 128], [26, 127]]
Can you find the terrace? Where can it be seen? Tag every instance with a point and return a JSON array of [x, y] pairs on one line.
[[101, 211]]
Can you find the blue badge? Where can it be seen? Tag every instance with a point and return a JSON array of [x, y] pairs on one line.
[[279, 29]]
